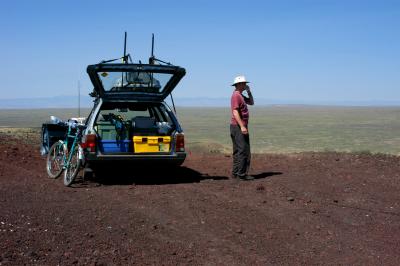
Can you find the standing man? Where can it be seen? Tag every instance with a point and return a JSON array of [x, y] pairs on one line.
[[239, 129]]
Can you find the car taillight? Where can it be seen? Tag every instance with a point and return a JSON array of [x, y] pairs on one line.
[[89, 142], [180, 142]]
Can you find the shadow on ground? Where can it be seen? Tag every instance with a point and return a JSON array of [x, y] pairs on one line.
[[266, 174], [129, 176], [162, 176]]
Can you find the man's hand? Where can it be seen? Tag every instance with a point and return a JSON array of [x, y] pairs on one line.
[[247, 88], [244, 130], [240, 122]]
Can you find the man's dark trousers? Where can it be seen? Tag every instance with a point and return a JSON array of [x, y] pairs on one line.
[[241, 151]]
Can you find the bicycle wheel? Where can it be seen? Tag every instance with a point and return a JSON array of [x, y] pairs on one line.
[[72, 167], [55, 160]]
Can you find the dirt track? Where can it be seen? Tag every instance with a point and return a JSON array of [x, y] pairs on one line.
[[302, 209]]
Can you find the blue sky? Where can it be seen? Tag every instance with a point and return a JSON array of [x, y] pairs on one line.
[[290, 50]]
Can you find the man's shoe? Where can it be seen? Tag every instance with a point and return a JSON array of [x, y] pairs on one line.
[[246, 177]]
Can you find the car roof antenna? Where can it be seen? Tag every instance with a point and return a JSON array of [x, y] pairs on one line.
[[126, 56], [152, 58]]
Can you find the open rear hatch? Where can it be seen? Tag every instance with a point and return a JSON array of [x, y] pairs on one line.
[[134, 82]]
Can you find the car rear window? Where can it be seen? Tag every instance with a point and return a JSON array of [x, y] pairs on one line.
[[129, 112], [133, 81]]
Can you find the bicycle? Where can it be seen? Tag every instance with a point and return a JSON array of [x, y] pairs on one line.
[[63, 156]]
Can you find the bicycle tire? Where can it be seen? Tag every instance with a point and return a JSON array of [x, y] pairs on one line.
[[72, 168], [55, 159]]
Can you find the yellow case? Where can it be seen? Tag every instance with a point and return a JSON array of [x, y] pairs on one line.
[[151, 144]]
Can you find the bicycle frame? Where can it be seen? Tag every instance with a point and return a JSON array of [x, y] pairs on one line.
[[75, 141]]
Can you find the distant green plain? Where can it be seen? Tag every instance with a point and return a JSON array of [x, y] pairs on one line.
[[273, 129]]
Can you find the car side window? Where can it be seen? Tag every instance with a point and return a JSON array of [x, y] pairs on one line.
[[164, 113]]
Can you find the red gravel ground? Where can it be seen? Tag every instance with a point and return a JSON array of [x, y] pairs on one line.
[[303, 209]]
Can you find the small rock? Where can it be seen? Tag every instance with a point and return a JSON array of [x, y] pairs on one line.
[[335, 201], [314, 211], [260, 187], [290, 199], [239, 231], [32, 254], [155, 227]]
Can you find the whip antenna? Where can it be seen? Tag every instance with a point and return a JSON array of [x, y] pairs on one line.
[[124, 58], [79, 98], [151, 59]]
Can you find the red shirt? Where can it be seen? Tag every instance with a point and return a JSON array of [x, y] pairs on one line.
[[238, 103]]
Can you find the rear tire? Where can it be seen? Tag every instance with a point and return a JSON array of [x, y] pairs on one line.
[[55, 159], [73, 167]]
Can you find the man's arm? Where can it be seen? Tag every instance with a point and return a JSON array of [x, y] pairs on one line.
[[249, 100], [240, 121]]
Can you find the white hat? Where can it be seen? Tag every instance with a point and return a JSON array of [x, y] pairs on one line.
[[239, 79]]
